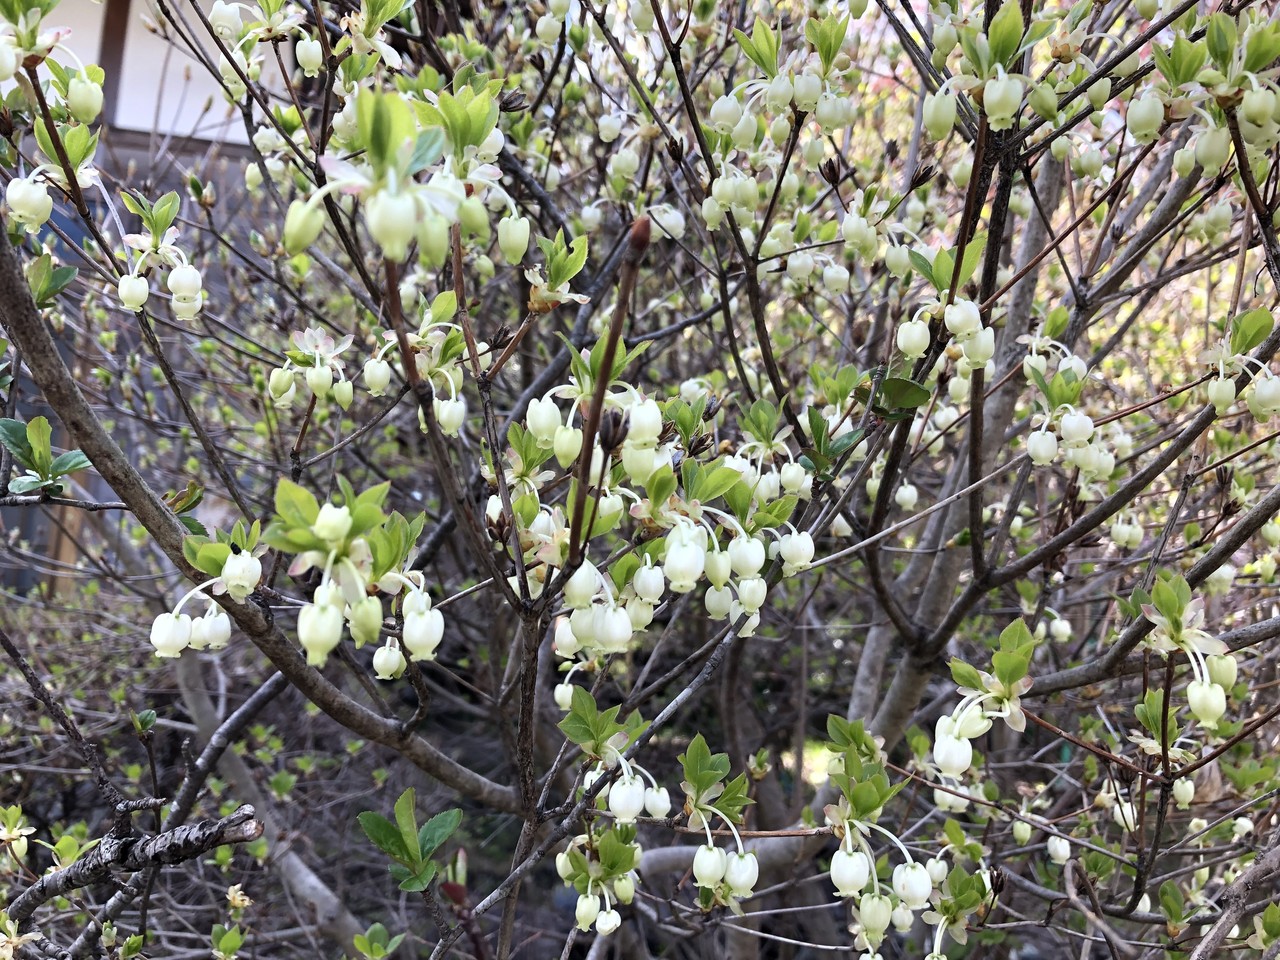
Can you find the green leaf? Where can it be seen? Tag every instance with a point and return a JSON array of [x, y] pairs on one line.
[[616, 856], [924, 267], [715, 482], [972, 257], [588, 726], [865, 799], [1005, 32], [193, 525], [164, 213], [1171, 902], [1249, 329], [437, 830], [69, 462], [13, 434], [1221, 38], [444, 307], [900, 393], [965, 675], [661, 485], [1262, 47], [407, 822], [27, 483], [383, 834], [761, 47], [296, 505], [734, 799], [40, 439], [416, 882], [702, 769]]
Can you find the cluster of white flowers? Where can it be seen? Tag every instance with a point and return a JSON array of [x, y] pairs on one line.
[[175, 631]]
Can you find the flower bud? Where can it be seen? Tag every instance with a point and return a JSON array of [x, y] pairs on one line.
[[241, 572], [332, 523], [84, 99], [133, 292], [608, 922], [1001, 99], [513, 238], [912, 883], [807, 89], [587, 910], [185, 281], [1059, 849], [1222, 670], [365, 620], [567, 445], [303, 224], [1042, 447], [1207, 700], [778, 94], [548, 30], [170, 634], [626, 798], [709, 865], [1184, 791], [388, 661], [422, 634], [657, 802], [962, 319], [849, 872], [309, 55], [392, 221], [876, 912], [913, 338], [725, 114], [1146, 117], [319, 631], [939, 114], [1021, 831], [741, 874]]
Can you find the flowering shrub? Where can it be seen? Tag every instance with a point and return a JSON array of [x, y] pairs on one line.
[[588, 384]]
